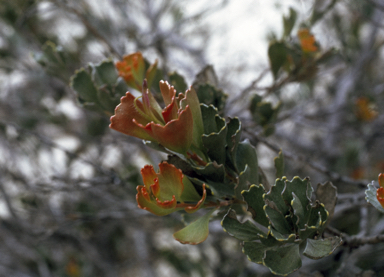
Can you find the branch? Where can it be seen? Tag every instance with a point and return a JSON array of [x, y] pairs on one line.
[[355, 241], [90, 28], [334, 176]]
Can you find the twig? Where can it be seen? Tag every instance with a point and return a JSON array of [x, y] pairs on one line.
[[334, 176], [91, 29], [7, 199], [47, 141], [355, 241]]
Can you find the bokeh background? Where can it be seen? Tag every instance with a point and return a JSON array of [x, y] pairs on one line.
[[67, 182]]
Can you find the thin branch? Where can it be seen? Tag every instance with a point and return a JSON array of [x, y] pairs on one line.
[[334, 176], [90, 28], [47, 141], [356, 241]]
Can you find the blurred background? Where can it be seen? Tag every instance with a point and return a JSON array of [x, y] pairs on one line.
[[67, 182]]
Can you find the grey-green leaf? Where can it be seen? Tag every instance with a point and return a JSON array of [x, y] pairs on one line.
[[255, 251], [83, 85], [254, 199], [370, 196], [277, 220], [246, 155], [317, 249], [246, 231], [283, 260], [327, 194], [277, 54], [279, 165]]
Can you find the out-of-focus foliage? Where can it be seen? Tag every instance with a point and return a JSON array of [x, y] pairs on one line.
[[67, 182]]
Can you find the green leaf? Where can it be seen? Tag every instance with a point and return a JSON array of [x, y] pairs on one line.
[[274, 195], [283, 260], [298, 210], [53, 59], [196, 232], [208, 114], [243, 182], [178, 82], [206, 76], [234, 133], [299, 187], [255, 251], [107, 103], [318, 216], [206, 84], [212, 171], [327, 194], [277, 53], [279, 165], [277, 220], [263, 113], [219, 190], [254, 199], [246, 231], [120, 87], [83, 85], [309, 231], [370, 196], [289, 22], [215, 143], [210, 95], [105, 73], [213, 175], [246, 155], [317, 249]]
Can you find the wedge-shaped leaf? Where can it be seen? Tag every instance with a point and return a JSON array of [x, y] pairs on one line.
[[177, 81], [274, 195], [206, 84], [270, 240], [83, 85], [209, 114], [255, 251], [278, 220], [107, 103], [211, 95], [317, 249], [300, 188], [371, 197], [233, 134], [215, 143], [196, 232], [264, 114], [281, 238], [310, 231], [318, 216], [246, 231], [289, 22], [254, 199], [279, 165], [53, 59], [283, 260], [105, 73], [206, 76], [243, 181], [246, 155], [277, 53], [120, 87], [299, 211], [219, 190], [212, 171], [233, 138], [327, 194]]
